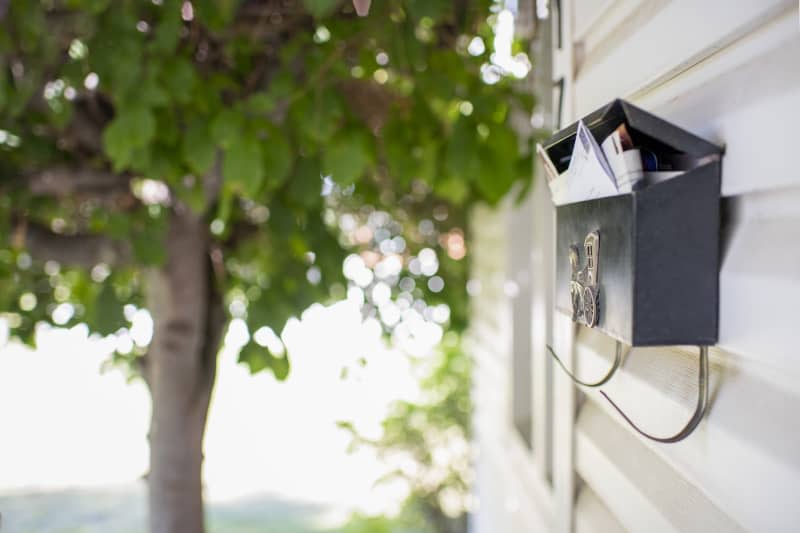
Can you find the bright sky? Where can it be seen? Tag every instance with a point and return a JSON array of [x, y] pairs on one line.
[[64, 424]]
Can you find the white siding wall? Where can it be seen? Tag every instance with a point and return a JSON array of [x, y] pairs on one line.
[[728, 70]]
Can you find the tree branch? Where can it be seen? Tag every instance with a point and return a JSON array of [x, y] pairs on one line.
[[84, 133], [73, 250], [64, 181], [212, 181]]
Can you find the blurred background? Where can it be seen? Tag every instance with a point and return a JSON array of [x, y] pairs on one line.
[[326, 163], [276, 456]]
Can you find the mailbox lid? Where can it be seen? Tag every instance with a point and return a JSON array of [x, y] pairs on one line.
[[649, 132]]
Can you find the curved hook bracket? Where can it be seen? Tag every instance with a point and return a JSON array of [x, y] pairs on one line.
[[699, 411], [601, 381]]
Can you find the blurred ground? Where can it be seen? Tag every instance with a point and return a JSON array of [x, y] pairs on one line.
[[123, 510]]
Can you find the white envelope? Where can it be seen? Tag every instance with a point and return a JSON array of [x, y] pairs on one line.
[[588, 175]]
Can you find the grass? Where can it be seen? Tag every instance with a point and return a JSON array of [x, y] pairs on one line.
[[125, 511]]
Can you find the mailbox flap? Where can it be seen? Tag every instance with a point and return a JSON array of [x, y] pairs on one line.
[[649, 130]]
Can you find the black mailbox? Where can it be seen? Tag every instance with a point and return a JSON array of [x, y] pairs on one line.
[[652, 271]]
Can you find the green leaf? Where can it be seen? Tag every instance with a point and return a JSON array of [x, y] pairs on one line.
[[254, 356], [427, 8], [163, 165], [395, 142], [151, 94], [320, 8], [93, 6], [178, 77], [141, 160], [462, 159], [278, 158], [198, 148], [193, 195], [167, 31], [215, 14], [347, 157], [411, 152], [280, 367], [225, 204], [133, 128], [453, 189], [28, 22], [168, 128], [227, 127], [117, 145], [242, 166], [107, 313], [117, 225], [496, 176], [140, 123], [318, 116], [282, 85], [261, 102], [147, 250], [305, 185], [498, 160], [4, 88], [125, 74], [258, 358], [147, 238]]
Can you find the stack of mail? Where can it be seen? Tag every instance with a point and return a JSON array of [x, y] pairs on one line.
[[594, 171]]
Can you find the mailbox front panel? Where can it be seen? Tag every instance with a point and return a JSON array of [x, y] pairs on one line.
[[612, 219]]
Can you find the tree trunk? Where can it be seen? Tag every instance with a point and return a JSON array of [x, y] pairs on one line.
[[180, 369]]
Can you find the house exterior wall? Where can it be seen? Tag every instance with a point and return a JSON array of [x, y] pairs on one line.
[[729, 71]]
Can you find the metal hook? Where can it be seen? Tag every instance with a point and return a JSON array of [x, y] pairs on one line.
[[603, 380], [699, 411]]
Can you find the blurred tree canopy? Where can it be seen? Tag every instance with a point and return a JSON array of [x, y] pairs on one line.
[[114, 113], [268, 138]]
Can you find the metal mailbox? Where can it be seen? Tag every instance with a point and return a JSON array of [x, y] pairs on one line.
[[643, 267]]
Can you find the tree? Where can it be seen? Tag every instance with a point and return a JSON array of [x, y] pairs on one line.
[[170, 155]]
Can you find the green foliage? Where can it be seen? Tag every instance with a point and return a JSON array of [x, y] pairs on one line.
[[258, 358], [107, 316], [277, 159], [347, 157], [242, 169], [198, 148], [409, 521], [226, 127], [440, 420], [320, 8], [262, 106]]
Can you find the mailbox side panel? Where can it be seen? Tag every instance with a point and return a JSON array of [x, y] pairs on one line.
[[676, 281]]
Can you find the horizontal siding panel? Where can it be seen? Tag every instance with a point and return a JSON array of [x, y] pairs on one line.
[[760, 281], [663, 43], [592, 515], [743, 456], [718, 99], [591, 13], [641, 490], [510, 500]]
